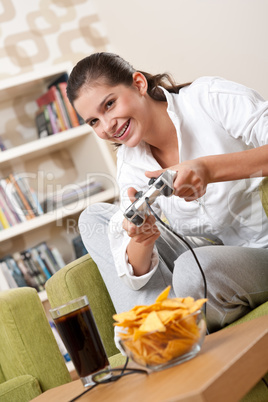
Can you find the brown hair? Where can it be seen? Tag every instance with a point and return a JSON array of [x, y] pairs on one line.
[[115, 70]]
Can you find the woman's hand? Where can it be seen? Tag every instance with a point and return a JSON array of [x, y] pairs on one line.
[[140, 247], [191, 180], [147, 233]]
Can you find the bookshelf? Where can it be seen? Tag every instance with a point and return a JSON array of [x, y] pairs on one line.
[[52, 163]]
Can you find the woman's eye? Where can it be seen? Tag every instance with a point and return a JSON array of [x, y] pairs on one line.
[[92, 122], [109, 104]]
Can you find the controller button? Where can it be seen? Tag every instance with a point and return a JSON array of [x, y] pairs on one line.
[[152, 180], [138, 195], [167, 191], [137, 220], [159, 184], [130, 213]]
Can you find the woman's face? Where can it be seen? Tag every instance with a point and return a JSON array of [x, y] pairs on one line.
[[116, 113]]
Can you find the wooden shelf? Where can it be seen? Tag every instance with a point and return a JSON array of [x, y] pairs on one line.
[[42, 146], [56, 215], [31, 82]]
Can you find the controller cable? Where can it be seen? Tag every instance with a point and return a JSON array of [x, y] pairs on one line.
[[110, 377], [187, 244]]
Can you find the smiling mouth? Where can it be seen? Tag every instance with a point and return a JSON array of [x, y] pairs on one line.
[[123, 130]]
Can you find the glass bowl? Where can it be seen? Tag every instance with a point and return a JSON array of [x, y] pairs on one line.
[[181, 341]]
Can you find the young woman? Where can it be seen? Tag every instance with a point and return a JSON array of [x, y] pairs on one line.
[[214, 134]]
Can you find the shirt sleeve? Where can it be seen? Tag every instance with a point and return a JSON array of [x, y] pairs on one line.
[[241, 111]]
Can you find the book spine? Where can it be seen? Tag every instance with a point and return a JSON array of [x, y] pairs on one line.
[[6, 209], [7, 186], [3, 219], [42, 249], [51, 97], [72, 113], [59, 116], [38, 259], [2, 145], [41, 123], [45, 98], [9, 278], [4, 285], [29, 193], [66, 112], [58, 257], [37, 203], [33, 271], [15, 271], [48, 122], [53, 119], [24, 270], [28, 210], [61, 108]]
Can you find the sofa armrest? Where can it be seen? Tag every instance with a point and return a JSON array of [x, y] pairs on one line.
[[82, 277], [27, 344]]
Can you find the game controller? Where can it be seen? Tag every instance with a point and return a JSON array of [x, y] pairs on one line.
[[162, 185]]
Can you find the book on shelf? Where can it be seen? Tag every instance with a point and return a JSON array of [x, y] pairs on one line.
[[72, 193], [26, 272], [27, 209], [31, 267], [73, 117], [47, 258], [23, 184], [2, 145], [41, 123], [7, 209], [55, 113], [4, 222], [4, 285], [11, 198], [14, 271], [7, 280], [18, 201], [79, 247]]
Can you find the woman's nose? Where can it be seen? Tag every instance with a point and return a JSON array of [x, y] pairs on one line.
[[110, 126]]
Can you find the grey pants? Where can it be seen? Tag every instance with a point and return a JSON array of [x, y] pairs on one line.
[[237, 277]]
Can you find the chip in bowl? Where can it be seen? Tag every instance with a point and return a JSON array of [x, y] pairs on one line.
[[162, 334]]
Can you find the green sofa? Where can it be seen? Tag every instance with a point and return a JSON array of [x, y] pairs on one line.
[[30, 360]]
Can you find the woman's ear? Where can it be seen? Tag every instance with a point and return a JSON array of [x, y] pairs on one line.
[[140, 82]]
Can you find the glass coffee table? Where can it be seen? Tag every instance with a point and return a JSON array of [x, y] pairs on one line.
[[229, 364]]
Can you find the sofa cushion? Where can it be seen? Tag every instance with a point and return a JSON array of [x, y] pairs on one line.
[[27, 344], [257, 312], [2, 377], [20, 389]]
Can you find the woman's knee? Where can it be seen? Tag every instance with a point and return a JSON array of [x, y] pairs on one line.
[[189, 276], [95, 219]]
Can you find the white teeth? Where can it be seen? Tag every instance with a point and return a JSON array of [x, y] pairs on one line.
[[123, 130]]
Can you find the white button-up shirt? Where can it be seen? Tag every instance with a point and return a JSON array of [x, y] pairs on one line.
[[211, 116]]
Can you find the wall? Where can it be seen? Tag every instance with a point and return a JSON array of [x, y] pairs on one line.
[[191, 38], [37, 33]]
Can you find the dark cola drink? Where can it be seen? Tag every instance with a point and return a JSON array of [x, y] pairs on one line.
[[82, 340]]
